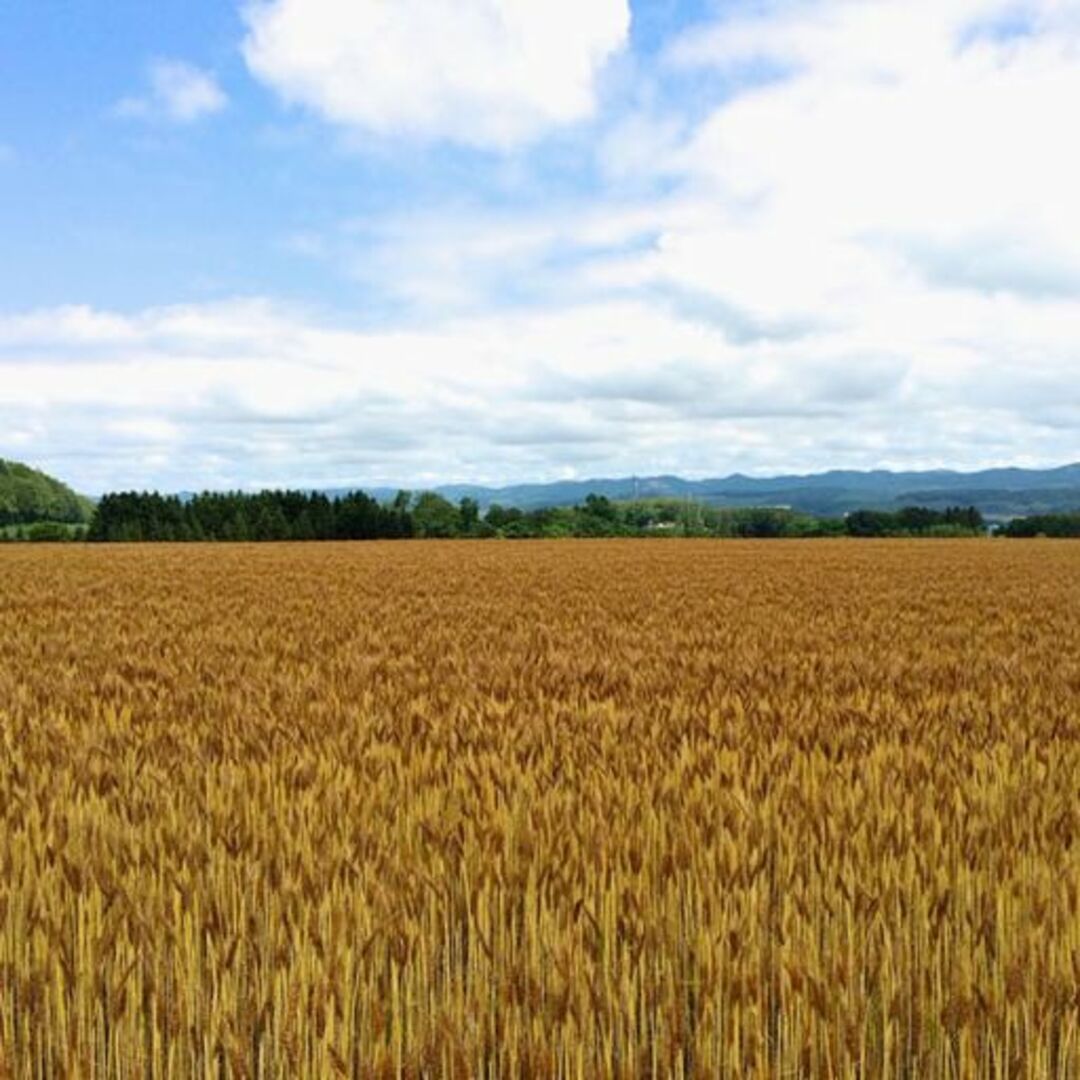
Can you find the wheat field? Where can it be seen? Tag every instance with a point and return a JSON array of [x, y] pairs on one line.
[[566, 809]]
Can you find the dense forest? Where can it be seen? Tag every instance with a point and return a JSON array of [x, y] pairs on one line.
[[268, 515], [298, 515]]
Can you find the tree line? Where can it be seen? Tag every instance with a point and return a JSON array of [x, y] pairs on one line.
[[916, 521], [1055, 525], [299, 515], [135, 517]]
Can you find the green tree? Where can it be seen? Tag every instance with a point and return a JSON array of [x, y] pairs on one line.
[[270, 523], [237, 527], [302, 528], [47, 532], [434, 516], [468, 515], [600, 506], [498, 517]]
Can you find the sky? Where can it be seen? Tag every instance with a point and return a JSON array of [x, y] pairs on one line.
[[366, 242]]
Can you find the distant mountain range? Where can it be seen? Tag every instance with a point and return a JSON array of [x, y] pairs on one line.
[[998, 493]]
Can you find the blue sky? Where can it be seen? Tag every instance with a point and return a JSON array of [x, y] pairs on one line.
[[318, 242], [99, 210]]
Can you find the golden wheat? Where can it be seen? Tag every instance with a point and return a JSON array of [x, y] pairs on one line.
[[568, 809]]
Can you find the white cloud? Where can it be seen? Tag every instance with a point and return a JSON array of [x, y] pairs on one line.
[[908, 145], [75, 324], [464, 258], [143, 430], [638, 145], [489, 73], [246, 392], [178, 92]]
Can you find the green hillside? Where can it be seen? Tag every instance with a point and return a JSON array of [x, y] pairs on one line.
[[27, 496]]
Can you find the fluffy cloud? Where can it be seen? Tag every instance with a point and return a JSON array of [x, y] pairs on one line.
[[249, 393], [905, 147], [492, 73], [178, 92]]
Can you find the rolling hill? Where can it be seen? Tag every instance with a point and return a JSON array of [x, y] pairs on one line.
[[28, 496]]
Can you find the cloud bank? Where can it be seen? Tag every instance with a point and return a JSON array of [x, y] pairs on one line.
[[246, 393]]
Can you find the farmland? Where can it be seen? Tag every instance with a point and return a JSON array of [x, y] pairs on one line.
[[610, 808]]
